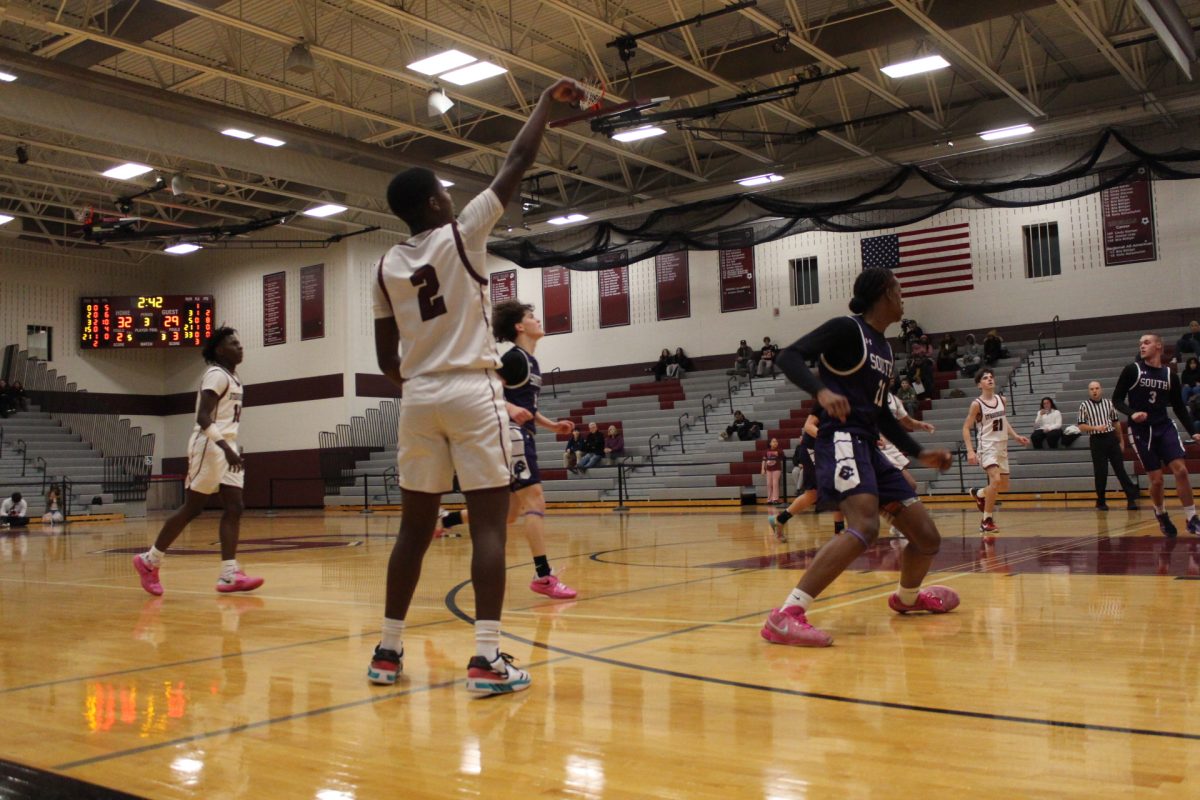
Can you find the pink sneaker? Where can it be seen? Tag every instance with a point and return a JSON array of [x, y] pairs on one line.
[[148, 576], [790, 626], [551, 586], [241, 583], [934, 599]]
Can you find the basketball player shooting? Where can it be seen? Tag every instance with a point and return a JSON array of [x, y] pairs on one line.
[[433, 335]]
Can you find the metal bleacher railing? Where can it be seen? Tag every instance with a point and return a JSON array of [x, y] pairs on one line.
[[343, 447], [125, 449]]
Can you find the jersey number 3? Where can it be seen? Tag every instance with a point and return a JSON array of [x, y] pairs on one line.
[[432, 304]]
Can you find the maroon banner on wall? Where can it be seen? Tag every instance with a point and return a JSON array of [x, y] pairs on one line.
[[312, 302], [503, 286], [672, 285], [735, 261], [274, 308], [614, 291], [556, 300], [1128, 212]]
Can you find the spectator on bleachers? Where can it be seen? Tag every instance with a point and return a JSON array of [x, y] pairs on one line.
[[971, 356], [1189, 343], [772, 470], [593, 448], [744, 429], [680, 364], [20, 400], [53, 512], [660, 368], [574, 450], [14, 511], [921, 347], [1190, 378], [614, 444], [6, 406], [743, 362], [766, 358], [908, 396], [947, 356], [1047, 426], [993, 348], [910, 331]]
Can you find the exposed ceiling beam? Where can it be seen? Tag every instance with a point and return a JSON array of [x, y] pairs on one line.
[[965, 57]]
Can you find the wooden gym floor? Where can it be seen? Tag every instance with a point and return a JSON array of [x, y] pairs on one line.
[[1072, 668]]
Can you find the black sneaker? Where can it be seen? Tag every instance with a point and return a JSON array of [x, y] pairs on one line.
[[1102, 506], [385, 666], [1166, 526]]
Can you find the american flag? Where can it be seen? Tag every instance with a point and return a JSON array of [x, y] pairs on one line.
[[929, 261]]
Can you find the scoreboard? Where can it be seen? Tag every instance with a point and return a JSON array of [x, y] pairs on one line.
[[170, 320]]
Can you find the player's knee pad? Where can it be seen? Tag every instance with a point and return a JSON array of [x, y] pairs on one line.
[[866, 535]]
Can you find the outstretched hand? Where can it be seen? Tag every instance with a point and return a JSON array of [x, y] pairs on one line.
[[566, 90]]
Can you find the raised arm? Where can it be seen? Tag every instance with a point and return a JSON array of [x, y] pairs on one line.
[[524, 148]]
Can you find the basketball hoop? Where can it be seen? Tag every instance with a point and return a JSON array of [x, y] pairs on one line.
[[593, 93]]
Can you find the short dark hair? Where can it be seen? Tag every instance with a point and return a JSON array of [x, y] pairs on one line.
[[209, 351], [979, 375], [505, 318], [16, 497], [409, 190]]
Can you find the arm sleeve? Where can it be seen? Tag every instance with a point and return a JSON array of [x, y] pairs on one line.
[[839, 340], [1124, 384], [889, 426], [478, 218], [514, 369], [1181, 409]]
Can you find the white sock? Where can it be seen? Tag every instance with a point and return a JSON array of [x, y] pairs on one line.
[[153, 556], [487, 638], [227, 569], [1160, 509], [1189, 511], [392, 635], [908, 596], [798, 598]]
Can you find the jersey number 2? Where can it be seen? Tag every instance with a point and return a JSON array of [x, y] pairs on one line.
[[428, 300]]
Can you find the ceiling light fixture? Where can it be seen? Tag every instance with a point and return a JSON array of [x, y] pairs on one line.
[[126, 171], [5, 219], [238, 133], [180, 185], [445, 182], [270, 141], [761, 180], [436, 65], [473, 73], [327, 210], [637, 134], [183, 248], [300, 59], [438, 102], [1006, 133], [7, 77], [903, 69], [567, 220]]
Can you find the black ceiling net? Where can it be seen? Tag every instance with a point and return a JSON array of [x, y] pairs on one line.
[[704, 225]]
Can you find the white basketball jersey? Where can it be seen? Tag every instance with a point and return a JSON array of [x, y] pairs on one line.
[[229, 407], [433, 287], [990, 427]]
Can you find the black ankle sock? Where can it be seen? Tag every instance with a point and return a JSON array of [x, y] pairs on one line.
[[451, 519], [782, 517], [542, 565], [838, 526]]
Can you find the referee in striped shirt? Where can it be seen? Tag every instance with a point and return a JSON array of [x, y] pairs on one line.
[[1098, 418]]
